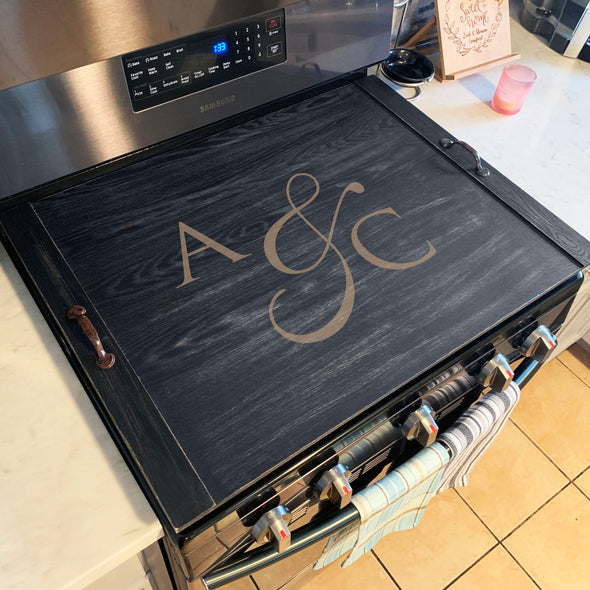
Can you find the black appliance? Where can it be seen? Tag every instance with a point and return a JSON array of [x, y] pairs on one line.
[[565, 25], [260, 262]]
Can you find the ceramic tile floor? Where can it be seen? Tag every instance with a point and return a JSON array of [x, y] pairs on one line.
[[523, 522]]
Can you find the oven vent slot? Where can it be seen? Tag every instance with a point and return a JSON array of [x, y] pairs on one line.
[[299, 512], [378, 459]]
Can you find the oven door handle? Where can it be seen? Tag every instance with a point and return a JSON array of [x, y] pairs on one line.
[[257, 559], [526, 371], [254, 560]]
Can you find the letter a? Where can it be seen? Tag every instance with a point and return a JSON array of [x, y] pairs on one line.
[[209, 243]]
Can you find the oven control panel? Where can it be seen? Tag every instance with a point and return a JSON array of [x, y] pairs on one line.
[[165, 72]]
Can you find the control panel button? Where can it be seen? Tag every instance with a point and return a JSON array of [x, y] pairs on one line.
[[333, 485], [137, 75], [153, 71], [274, 49], [204, 60], [171, 82], [496, 373], [140, 91], [420, 426], [539, 344], [272, 526], [273, 23]]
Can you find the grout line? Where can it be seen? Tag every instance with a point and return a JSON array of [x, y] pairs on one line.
[[254, 582], [582, 472], [386, 570], [471, 566], [477, 515], [583, 381], [521, 567], [581, 490], [535, 511], [572, 371], [542, 451]]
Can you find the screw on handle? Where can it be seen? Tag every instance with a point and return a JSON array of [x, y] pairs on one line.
[[480, 169], [105, 360]]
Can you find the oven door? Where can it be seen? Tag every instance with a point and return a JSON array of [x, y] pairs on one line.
[[273, 567], [366, 456]]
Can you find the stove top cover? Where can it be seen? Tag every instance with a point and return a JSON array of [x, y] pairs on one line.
[[271, 281]]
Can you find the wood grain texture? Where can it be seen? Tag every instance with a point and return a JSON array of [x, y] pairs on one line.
[[500, 187], [237, 396], [131, 417]]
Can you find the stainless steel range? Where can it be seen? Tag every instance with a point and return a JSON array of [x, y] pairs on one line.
[[276, 278]]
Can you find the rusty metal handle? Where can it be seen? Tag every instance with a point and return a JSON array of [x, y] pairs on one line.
[[105, 360]]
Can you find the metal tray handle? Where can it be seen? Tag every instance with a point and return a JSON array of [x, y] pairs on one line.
[[105, 359], [480, 169]]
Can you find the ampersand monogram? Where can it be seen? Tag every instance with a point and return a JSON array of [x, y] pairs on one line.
[[343, 313], [296, 214]]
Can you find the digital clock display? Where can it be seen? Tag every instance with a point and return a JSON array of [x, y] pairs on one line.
[[220, 47]]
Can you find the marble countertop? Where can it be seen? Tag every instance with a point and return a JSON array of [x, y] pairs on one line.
[[71, 509], [545, 148]]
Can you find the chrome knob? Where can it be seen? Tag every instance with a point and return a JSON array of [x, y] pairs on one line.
[[420, 426], [333, 485], [539, 344], [272, 526], [496, 373]]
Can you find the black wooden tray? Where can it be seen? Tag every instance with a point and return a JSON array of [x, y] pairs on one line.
[[264, 285]]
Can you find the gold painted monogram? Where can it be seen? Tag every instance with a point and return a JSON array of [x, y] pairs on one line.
[[341, 317], [270, 249]]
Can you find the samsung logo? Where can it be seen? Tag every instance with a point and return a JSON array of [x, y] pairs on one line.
[[215, 104]]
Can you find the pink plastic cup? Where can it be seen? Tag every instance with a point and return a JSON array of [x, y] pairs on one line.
[[513, 88]]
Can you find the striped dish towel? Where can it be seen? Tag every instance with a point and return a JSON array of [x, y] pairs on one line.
[[473, 432], [394, 503]]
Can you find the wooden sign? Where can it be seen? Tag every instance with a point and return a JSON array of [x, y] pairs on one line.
[[473, 35]]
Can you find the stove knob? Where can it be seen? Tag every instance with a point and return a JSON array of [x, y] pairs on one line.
[[334, 486], [420, 426], [272, 526], [496, 373], [539, 344]]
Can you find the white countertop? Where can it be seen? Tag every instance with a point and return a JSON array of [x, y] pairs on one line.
[[71, 511], [545, 149]]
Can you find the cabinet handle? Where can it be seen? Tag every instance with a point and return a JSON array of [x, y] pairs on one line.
[[105, 360]]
